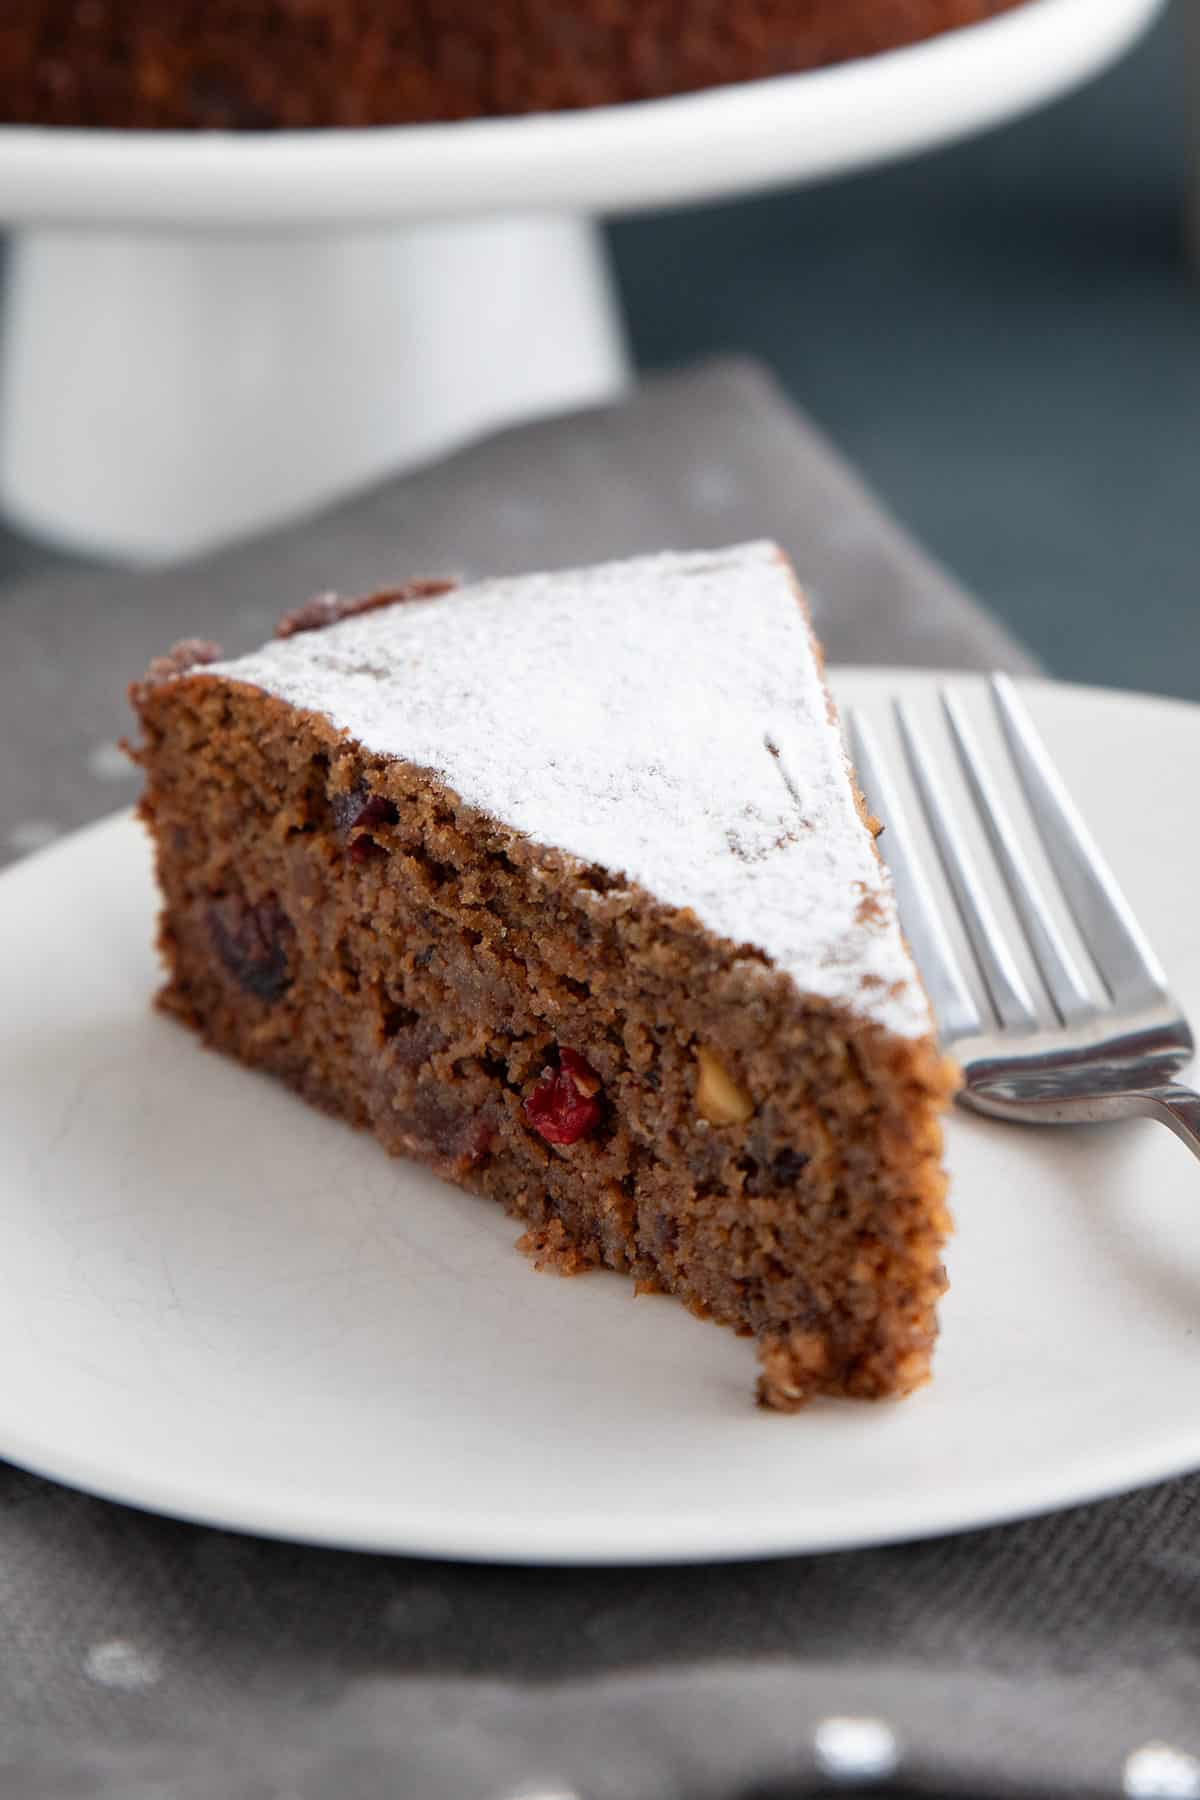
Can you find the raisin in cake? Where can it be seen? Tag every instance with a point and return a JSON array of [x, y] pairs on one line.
[[562, 885], [261, 64]]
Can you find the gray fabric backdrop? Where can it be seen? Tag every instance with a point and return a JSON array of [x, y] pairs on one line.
[[699, 459]]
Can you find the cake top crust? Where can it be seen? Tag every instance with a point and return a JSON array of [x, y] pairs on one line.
[[664, 717]]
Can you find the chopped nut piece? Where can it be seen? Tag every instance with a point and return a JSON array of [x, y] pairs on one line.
[[719, 1099]]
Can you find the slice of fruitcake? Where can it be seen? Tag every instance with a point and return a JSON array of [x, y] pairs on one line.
[[563, 885]]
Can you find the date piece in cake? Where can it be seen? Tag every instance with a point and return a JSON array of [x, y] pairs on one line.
[[563, 886]]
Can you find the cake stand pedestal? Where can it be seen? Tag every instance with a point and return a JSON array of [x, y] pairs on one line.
[[167, 390], [207, 333]]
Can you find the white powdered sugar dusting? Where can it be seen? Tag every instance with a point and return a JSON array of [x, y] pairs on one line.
[[663, 717]]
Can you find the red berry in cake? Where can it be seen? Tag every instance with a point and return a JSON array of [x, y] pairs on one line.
[[375, 811], [365, 850], [564, 1106], [360, 810]]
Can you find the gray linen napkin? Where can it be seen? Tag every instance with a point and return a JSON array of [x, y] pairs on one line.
[[692, 460], [142, 1659]]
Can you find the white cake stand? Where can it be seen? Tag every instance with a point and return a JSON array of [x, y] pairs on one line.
[[208, 332]]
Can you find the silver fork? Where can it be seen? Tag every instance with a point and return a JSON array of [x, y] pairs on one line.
[[1099, 1059]]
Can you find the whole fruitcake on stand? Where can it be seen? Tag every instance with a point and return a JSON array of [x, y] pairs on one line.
[[262, 64], [563, 885]]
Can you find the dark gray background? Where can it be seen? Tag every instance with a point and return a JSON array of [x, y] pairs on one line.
[[1005, 336]]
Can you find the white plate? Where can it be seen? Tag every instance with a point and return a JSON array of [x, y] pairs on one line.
[[721, 141], [222, 1305]]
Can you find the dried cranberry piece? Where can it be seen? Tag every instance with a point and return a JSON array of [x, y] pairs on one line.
[[365, 850], [376, 811], [360, 810], [252, 942], [564, 1107]]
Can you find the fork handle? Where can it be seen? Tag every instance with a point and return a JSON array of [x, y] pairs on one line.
[[1178, 1107]]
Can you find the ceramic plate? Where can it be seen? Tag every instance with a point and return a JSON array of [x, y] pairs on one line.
[[221, 1305]]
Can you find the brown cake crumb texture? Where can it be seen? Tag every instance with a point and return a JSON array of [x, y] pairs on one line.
[[641, 1094], [261, 64]]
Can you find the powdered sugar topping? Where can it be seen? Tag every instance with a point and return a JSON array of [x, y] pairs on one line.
[[664, 717]]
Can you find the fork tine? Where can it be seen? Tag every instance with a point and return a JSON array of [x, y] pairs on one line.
[[1129, 967], [953, 1003], [1010, 996], [1058, 968]]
